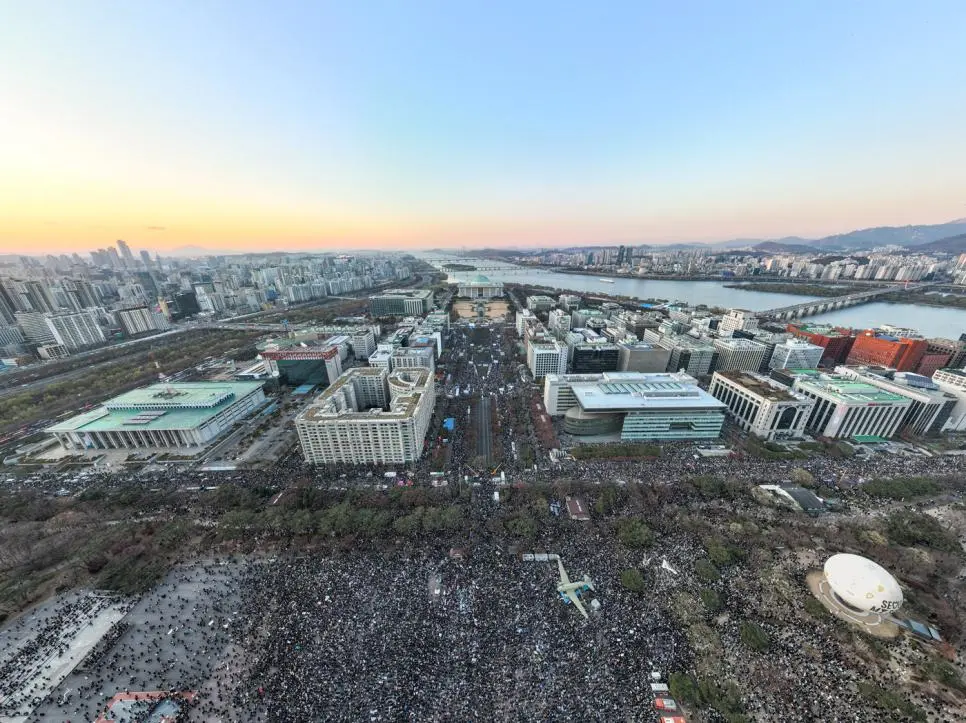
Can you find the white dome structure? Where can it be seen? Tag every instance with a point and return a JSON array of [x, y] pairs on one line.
[[862, 584]]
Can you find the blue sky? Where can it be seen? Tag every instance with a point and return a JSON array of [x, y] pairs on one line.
[[309, 125]]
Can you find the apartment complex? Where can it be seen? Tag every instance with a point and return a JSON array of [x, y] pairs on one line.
[[369, 416], [73, 330], [761, 405], [140, 320], [638, 406]]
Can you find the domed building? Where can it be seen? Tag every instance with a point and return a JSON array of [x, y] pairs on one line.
[[480, 287], [859, 591], [862, 585]]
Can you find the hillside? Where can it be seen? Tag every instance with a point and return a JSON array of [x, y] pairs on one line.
[[950, 245], [910, 236]]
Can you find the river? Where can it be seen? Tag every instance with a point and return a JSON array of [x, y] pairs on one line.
[[929, 320]]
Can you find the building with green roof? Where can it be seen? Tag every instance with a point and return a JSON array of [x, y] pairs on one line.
[[845, 408], [184, 415]]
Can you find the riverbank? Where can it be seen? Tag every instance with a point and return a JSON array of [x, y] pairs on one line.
[[613, 275], [775, 287], [948, 301]]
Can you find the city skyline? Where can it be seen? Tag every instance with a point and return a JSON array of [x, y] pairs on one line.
[[426, 125]]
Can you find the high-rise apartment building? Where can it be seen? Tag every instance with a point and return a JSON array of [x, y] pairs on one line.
[[141, 320]]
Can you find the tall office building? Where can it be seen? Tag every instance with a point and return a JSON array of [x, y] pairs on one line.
[[594, 358], [697, 358], [847, 409], [546, 357], [738, 319], [796, 354], [761, 405], [639, 356], [350, 423], [739, 355]]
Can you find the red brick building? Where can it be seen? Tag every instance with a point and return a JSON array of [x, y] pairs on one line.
[[875, 348], [836, 341]]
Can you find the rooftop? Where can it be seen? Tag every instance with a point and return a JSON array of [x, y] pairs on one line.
[[848, 391], [410, 293], [738, 343], [406, 385], [634, 391], [183, 405], [761, 386]]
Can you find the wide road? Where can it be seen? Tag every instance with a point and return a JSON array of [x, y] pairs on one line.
[[484, 434]]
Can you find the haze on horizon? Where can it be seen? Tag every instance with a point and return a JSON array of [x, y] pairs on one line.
[[296, 125]]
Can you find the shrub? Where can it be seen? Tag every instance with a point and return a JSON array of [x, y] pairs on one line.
[[910, 528], [705, 571], [814, 608], [632, 580], [711, 600], [754, 637], [887, 700], [634, 533], [901, 488]]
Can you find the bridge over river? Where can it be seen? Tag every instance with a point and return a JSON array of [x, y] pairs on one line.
[[820, 306]]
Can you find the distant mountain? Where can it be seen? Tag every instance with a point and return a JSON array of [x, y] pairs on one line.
[[950, 245], [780, 247], [909, 236]]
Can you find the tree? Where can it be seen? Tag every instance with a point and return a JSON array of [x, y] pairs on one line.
[[711, 600], [802, 477], [634, 533], [632, 580], [754, 637], [706, 571]]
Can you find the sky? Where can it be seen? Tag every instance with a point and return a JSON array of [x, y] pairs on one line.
[[410, 124]]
